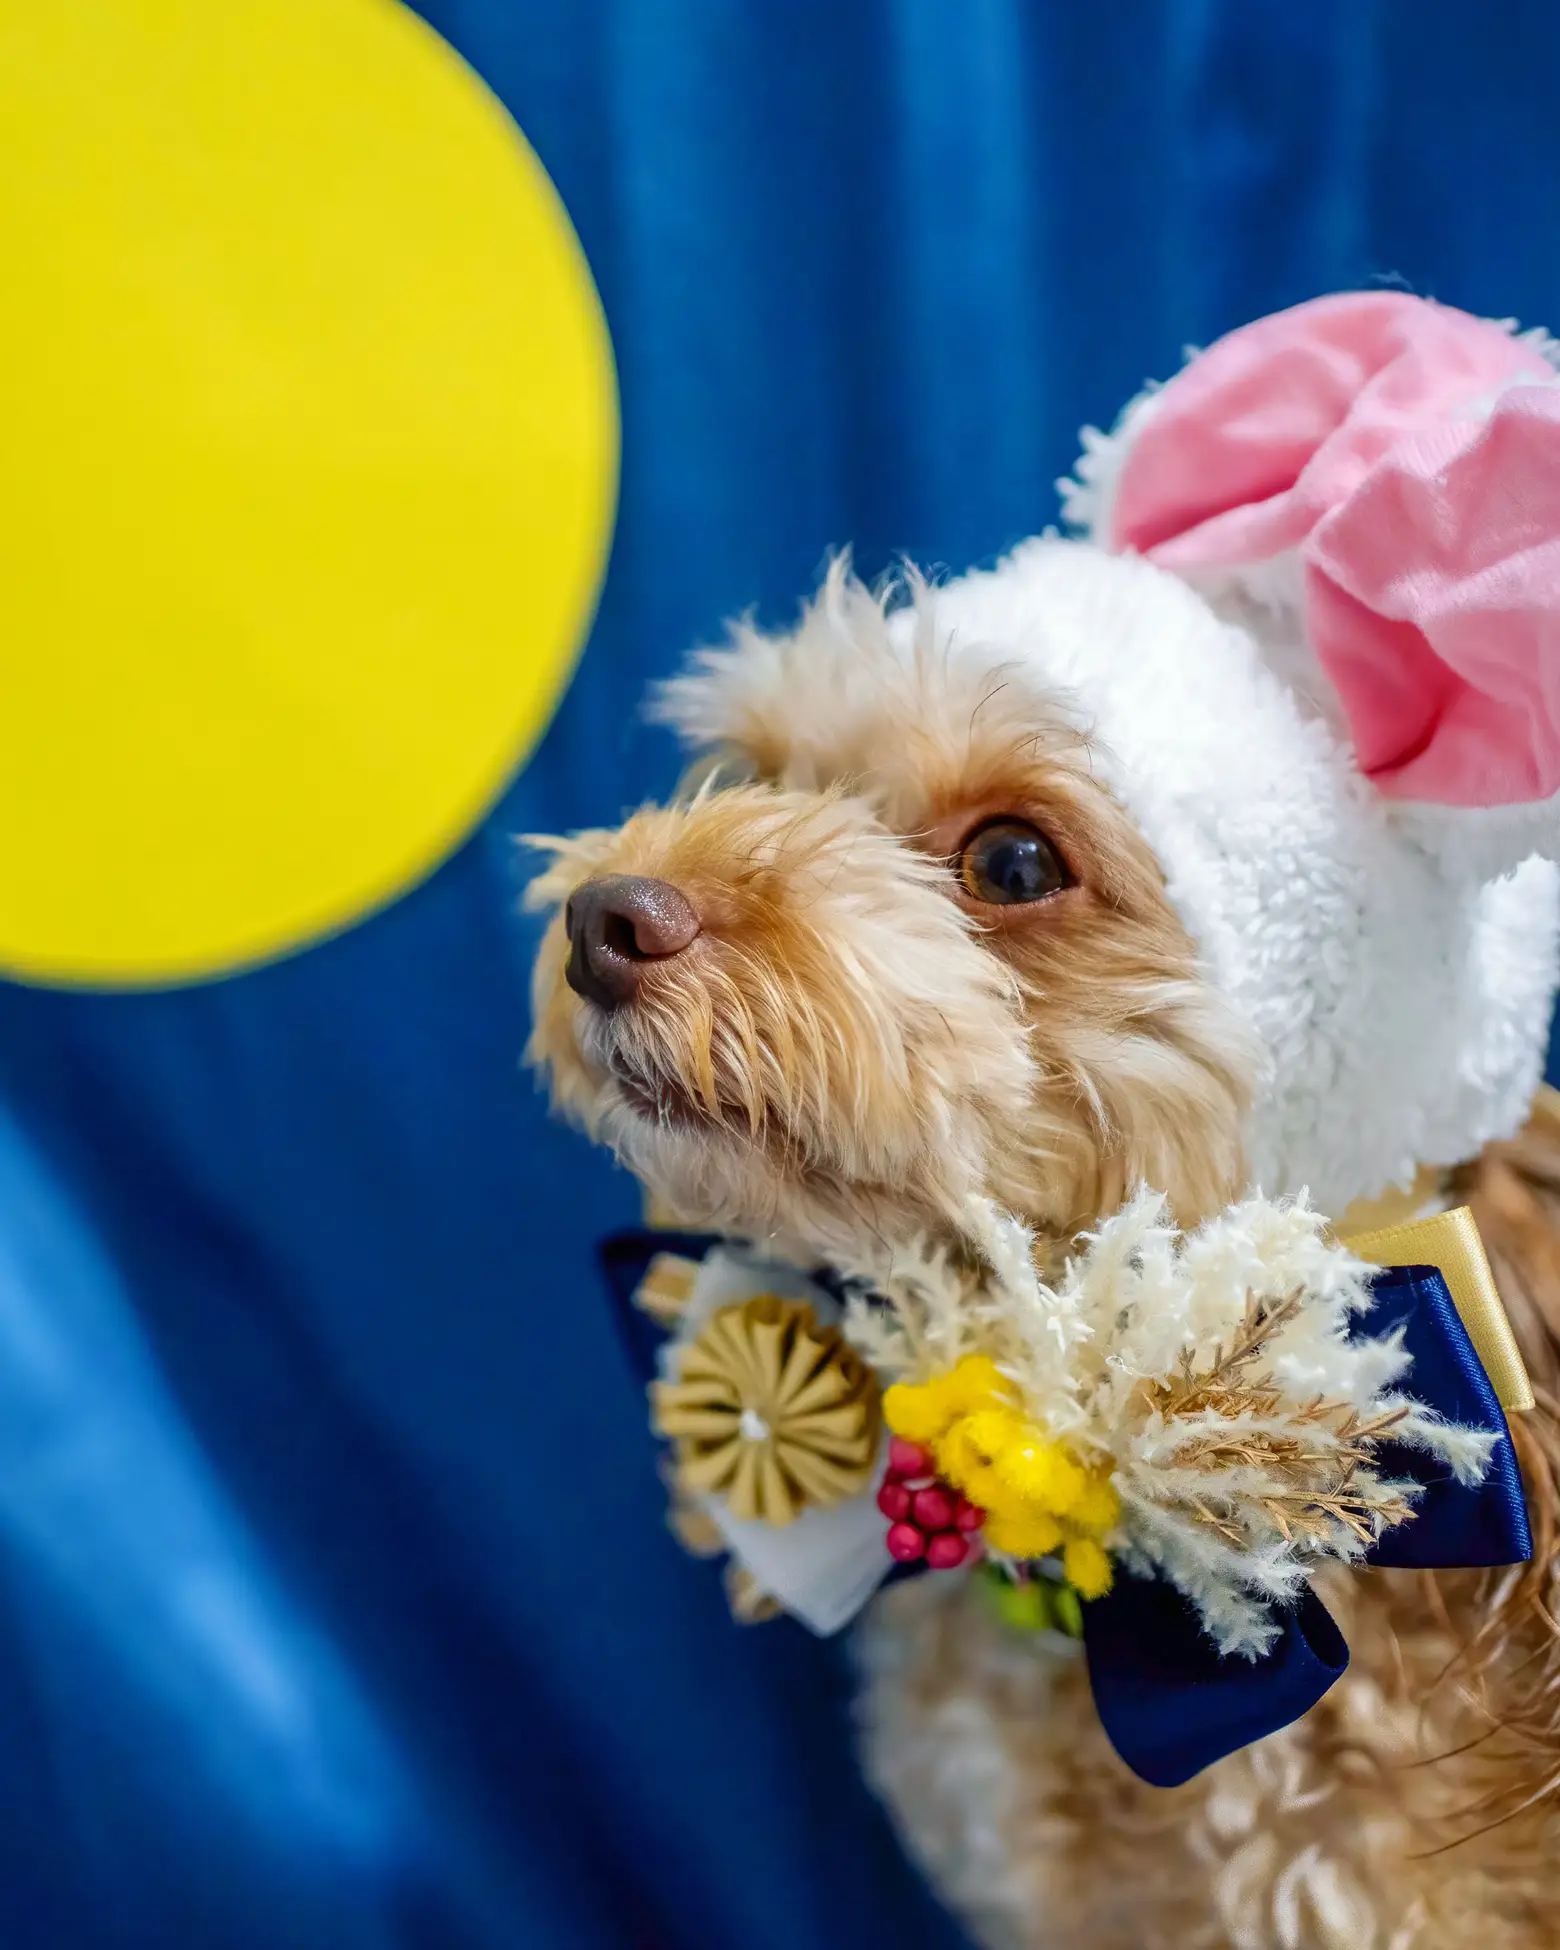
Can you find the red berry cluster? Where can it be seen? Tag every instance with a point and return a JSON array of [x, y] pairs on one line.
[[927, 1517]]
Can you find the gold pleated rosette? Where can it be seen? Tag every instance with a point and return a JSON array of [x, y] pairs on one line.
[[770, 1411], [775, 1438]]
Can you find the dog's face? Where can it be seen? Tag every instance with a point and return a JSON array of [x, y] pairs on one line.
[[919, 953]]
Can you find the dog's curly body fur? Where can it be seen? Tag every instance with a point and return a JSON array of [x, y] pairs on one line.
[[854, 1045]]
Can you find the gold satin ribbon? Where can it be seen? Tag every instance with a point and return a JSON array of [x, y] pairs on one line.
[[1450, 1242], [666, 1288]]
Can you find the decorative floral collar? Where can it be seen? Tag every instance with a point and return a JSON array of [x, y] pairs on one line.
[[1153, 1456]]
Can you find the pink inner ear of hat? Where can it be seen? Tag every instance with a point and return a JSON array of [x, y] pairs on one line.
[[1410, 453]]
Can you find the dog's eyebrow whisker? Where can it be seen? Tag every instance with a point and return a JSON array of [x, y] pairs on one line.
[[988, 698]]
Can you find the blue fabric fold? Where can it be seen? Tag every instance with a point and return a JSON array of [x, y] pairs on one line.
[[625, 1259], [1171, 1703]]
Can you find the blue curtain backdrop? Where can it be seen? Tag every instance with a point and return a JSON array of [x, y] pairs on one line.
[[335, 1604]]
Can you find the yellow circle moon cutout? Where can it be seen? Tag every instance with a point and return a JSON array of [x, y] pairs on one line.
[[310, 450]]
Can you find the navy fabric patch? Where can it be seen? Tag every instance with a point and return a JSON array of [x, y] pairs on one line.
[[1455, 1524], [1172, 1704]]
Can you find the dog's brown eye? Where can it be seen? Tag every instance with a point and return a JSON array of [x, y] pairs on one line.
[[1008, 861]]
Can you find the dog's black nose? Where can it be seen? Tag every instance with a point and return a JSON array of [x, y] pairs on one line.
[[617, 927]]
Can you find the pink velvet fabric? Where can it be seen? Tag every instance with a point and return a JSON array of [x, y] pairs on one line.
[[1358, 430]]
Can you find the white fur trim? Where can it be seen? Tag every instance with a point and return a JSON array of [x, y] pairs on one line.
[[1404, 1005]]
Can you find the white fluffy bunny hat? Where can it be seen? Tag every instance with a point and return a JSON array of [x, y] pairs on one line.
[[1328, 689]]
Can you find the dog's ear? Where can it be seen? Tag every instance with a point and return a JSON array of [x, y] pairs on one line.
[[1371, 482]]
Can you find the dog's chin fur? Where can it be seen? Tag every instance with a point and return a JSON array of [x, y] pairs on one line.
[[852, 1048]]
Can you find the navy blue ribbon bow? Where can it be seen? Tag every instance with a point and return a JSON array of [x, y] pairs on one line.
[[1170, 1701], [1173, 1704]]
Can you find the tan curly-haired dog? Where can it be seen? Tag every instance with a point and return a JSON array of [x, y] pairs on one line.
[[1043, 885]]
